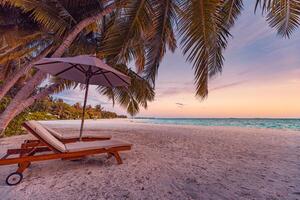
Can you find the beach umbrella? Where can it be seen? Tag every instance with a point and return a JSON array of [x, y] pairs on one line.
[[85, 69]]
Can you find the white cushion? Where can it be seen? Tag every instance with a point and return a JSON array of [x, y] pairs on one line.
[[54, 133], [104, 144], [70, 136], [46, 136]]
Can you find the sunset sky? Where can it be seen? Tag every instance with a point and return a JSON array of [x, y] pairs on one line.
[[261, 78]]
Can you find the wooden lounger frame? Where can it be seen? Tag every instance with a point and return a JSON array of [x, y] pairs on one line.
[[72, 139], [26, 154], [35, 143]]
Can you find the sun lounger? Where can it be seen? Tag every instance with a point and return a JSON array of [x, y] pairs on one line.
[[52, 149], [67, 138]]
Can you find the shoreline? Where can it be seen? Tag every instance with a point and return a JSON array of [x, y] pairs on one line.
[[53, 123], [225, 127], [168, 162]]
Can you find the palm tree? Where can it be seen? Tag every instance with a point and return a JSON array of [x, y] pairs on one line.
[[143, 30], [55, 18], [99, 108]]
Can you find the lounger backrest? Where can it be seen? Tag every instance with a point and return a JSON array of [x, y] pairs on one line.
[[46, 136], [54, 133]]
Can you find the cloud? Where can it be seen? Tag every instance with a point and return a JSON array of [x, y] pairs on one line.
[[249, 29], [77, 95], [169, 91], [229, 85]]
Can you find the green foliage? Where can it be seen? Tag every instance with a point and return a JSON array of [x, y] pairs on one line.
[[4, 103], [139, 93], [15, 126], [283, 15], [50, 109], [40, 116]]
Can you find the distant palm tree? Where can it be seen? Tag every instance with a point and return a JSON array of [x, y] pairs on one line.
[[77, 106], [143, 30]]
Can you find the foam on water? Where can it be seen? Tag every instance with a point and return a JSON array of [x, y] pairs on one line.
[[289, 124]]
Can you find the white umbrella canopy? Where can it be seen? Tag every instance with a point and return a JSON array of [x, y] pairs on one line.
[[80, 67], [83, 69]]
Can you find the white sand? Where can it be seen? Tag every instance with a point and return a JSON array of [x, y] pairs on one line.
[[169, 162]]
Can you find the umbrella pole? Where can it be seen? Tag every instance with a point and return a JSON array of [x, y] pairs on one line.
[[84, 106]]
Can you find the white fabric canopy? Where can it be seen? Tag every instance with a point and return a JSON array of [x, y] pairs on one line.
[[76, 69]]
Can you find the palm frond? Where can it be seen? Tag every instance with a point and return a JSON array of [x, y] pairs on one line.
[[48, 14], [283, 15], [84, 44], [17, 55], [165, 21], [230, 10], [203, 38], [264, 4], [12, 41], [126, 32], [63, 12], [62, 84], [139, 93]]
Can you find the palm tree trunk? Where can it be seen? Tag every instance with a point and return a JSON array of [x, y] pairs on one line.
[[1, 74], [11, 80], [14, 108], [17, 107]]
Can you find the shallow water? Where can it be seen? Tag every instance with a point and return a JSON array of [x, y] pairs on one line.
[[289, 124]]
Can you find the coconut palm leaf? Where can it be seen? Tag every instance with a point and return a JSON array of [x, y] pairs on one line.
[[13, 42], [63, 12], [126, 32], [17, 55], [62, 84], [48, 14], [139, 93], [85, 44], [165, 21], [230, 10], [284, 15], [203, 38]]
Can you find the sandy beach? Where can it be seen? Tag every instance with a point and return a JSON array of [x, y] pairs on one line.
[[168, 162]]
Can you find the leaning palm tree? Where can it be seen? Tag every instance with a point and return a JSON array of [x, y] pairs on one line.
[[143, 30], [55, 19]]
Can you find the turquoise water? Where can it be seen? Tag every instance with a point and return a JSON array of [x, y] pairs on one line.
[[289, 124]]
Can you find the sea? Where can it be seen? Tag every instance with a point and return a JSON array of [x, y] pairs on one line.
[[287, 124]]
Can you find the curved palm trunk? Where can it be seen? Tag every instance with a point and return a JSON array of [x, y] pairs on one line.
[[11, 81], [17, 104], [17, 107], [14, 107], [1, 73]]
